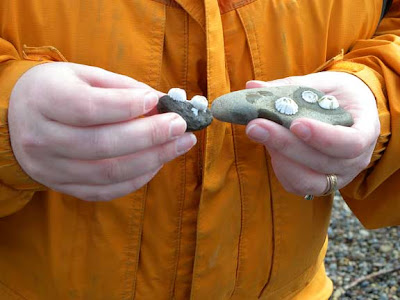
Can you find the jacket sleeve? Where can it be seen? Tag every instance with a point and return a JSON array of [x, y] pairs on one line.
[[374, 196], [16, 187]]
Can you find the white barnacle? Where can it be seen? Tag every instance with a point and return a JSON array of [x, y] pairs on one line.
[[286, 105], [309, 96], [199, 102], [328, 102], [177, 94], [195, 111]]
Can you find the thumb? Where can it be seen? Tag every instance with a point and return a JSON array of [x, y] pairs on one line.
[[101, 78], [323, 81]]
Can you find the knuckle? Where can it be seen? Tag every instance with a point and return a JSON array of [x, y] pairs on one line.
[[326, 142], [281, 144], [111, 171], [102, 148], [30, 142], [324, 163], [157, 132], [85, 111]]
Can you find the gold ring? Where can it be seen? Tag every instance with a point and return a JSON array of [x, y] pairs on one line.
[[331, 187]]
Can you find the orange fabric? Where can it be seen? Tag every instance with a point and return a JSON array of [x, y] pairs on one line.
[[223, 228]]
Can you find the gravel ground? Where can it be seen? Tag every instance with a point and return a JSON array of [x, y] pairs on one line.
[[355, 255]]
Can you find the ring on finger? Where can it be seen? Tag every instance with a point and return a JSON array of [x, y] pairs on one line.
[[331, 187]]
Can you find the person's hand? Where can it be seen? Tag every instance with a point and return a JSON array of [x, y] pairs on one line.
[[303, 156], [77, 129]]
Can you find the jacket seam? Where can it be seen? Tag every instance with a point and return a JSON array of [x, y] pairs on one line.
[[138, 237], [178, 240], [235, 5], [252, 42], [276, 240], [313, 269], [242, 213], [171, 3], [156, 49], [11, 291]]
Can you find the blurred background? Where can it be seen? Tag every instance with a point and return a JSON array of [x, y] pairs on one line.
[[363, 264]]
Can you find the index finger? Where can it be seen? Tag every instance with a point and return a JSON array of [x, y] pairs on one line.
[[84, 105]]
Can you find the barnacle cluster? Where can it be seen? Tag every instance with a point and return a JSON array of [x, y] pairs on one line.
[[288, 106], [199, 103]]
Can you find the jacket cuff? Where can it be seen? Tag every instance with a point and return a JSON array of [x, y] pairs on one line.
[[376, 84], [11, 174]]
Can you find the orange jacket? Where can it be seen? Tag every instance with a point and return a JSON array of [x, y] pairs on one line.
[[214, 223]]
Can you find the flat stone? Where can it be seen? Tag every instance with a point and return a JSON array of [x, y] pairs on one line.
[[184, 109], [242, 106]]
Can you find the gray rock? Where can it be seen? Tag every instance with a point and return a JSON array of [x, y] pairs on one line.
[[241, 107], [184, 109]]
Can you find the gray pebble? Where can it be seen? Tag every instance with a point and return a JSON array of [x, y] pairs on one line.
[[184, 109], [364, 233], [241, 107], [385, 248]]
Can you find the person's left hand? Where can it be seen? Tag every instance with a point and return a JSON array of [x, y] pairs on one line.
[[303, 156]]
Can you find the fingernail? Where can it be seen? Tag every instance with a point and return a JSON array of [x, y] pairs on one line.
[[185, 143], [177, 127], [150, 100], [257, 133], [301, 131]]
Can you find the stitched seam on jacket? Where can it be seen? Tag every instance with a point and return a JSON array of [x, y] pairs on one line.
[[168, 2], [195, 276], [183, 171], [313, 269], [13, 293], [178, 240], [242, 218], [154, 50], [275, 240], [233, 5], [252, 40], [136, 239]]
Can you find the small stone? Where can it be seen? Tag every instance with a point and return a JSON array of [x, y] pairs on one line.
[[242, 106], [333, 266], [383, 297], [364, 284], [184, 108], [364, 233], [385, 248]]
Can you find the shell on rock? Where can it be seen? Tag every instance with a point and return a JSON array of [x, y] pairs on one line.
[[286, 105], [328, 102], [195, 111], [177, 94], [199, 102], [309, 96]]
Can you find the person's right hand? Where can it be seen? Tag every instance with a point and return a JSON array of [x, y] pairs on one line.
[[75, 129]]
